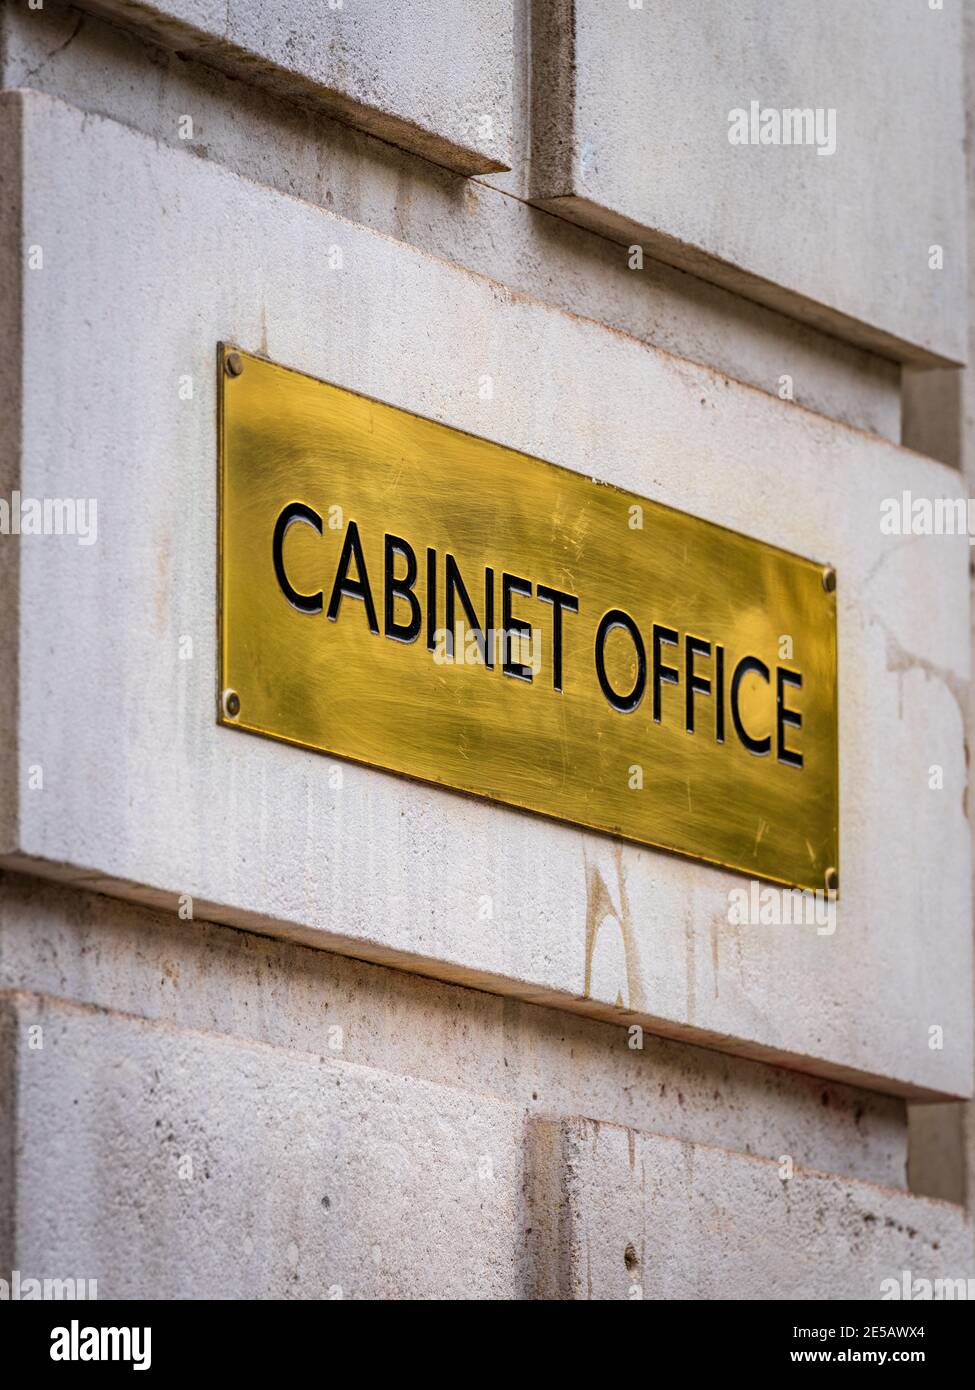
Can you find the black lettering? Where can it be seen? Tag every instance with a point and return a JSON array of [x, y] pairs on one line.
[[294, 511], [400, 588], [488, 647], [694, 684], [617, 618], [431, 597], [511, 584], [456, 588], [786, 716], [661, 673], [560, 603], [759, 746], [352, 588]]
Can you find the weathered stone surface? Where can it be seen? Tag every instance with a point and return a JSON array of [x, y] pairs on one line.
[[631, 109], [265, 137], [196, 976], [433, 76], [619, 1214], [168, 1164], [150, 257]]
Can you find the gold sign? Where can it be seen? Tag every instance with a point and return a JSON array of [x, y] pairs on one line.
[[400, 593]]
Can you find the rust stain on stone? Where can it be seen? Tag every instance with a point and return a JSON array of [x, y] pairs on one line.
[[900, 661], [601, 908], [163, 567]]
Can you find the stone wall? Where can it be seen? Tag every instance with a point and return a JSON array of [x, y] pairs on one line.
[[258, 1036]]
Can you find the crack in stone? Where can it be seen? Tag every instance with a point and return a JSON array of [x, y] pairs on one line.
[[35, 72]]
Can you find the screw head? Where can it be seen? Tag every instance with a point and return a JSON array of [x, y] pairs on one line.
[[829, 579], [832, 881], [231, 703], [233, 364]]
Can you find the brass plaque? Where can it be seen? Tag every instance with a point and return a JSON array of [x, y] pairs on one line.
[[406, 595]]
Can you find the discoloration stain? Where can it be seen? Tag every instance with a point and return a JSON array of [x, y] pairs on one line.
[[600, 908], [690, 963], [734, 932], [964, 790], [164, 556], [884, 556], [901, 662]]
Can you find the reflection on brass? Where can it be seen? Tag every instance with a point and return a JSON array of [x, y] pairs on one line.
[[400, 593]]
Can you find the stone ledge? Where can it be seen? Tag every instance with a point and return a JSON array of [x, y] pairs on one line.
[[434, 78], [631, 120], [621, 1214]]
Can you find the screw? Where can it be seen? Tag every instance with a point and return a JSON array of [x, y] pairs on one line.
[[829, 579], [231, 703], [233, 364], [832, 882]]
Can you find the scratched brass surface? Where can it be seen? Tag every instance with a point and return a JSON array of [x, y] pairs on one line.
[[336, 687]]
